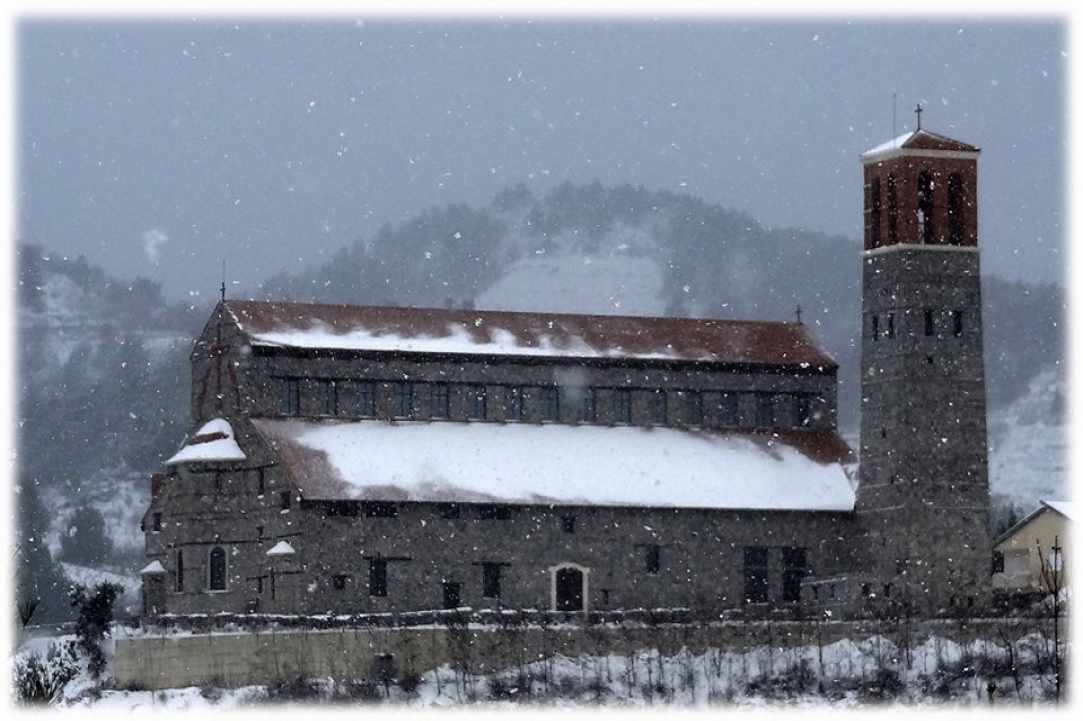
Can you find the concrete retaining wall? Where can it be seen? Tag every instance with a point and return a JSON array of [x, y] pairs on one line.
[[238, 659]]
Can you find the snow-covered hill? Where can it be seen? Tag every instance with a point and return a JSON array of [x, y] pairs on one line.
[[1028, 444]]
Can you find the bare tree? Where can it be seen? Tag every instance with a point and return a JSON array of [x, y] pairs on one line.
[[1052, 578]]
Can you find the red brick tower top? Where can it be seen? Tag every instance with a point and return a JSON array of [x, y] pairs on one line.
[[921, 189]]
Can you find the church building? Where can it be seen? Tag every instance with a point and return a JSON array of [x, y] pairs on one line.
[[352, 459]]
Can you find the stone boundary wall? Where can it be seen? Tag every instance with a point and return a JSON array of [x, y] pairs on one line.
[[371, 653]]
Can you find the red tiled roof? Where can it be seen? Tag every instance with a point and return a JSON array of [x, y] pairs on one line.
[[484, 332]]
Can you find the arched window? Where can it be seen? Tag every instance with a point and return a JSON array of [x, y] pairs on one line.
[[217, 570], [956, 209], [926, 186], [892, 211], [876, 213]]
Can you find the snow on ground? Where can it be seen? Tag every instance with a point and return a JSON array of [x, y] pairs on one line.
[[657, 467], [1028, 444], [842, 673]]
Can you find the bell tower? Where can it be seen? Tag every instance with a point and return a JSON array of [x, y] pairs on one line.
[[923, 496]]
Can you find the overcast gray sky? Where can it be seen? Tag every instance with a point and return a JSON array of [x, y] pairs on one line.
[[159, 148]]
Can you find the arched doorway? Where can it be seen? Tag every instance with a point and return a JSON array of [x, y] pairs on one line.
[[569, 587]]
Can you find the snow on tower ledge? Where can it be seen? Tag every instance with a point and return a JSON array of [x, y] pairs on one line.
[[213, 442]]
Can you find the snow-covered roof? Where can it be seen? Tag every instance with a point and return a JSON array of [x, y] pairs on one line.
[[281, 548], [214, 441], [1064, 508], [154, 567], [917, 140], [560, 464], [560, 335]]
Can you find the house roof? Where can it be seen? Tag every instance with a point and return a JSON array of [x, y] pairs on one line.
[[917, 140], [1064, 508], [480, 332], [520, 463]]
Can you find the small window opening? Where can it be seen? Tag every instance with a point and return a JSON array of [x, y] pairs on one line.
[[490, 580], [494, 513], [377, 576], [926, 188], [930, 325], [756, 580], [217, 580], [653, 558], [550, 404], [284, 500], [567, 523], [957, 322], [156, 523], [380, 509]]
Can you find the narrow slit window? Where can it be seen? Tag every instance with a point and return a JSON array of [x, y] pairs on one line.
[[622, 406], [402, 400], [890, 325], [804, 410], [694, 408], [550, 404], [588, 407], [490, 579], [513, 403], [659, 408], [756, 582], [875, 327], [652, 558], [956, 209], [438, 401], [926, 208], [876, 213], [794, 570], [892, 211], [475, 403], [957, 322], [179, 586], [765, 410], [377, 576], [365, 400], [217, 569], [289, 403], [930, 325], [328, 394], [727, 409]]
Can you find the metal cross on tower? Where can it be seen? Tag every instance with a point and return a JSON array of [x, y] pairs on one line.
[[918, 111]]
